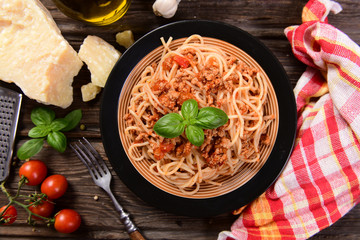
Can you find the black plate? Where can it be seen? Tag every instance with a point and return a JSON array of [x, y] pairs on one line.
[[210, 206]]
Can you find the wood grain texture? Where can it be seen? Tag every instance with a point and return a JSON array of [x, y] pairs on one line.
[[265, 19]]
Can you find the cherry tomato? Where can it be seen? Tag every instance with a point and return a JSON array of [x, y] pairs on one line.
[[54, 186], [67, 221], [34, 170], [44, 209], [9, 216]]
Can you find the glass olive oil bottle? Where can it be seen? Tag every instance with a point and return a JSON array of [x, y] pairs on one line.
[[95, 12]]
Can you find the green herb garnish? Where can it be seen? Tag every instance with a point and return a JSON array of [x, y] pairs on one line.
[[192, 121], [50, 129]]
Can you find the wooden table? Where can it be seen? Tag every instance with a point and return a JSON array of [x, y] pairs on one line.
[[265, 19]]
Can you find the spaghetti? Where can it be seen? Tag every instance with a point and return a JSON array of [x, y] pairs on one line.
[[200, 71]]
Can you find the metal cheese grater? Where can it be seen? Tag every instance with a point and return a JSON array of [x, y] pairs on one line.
[[10, 102]]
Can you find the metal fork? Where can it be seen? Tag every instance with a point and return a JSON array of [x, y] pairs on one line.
[[102, 177]]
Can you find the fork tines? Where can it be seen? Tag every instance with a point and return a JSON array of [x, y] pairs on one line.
[[91, 158]]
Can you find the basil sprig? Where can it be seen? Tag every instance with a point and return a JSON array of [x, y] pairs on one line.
[[50, 129], [192, 120]]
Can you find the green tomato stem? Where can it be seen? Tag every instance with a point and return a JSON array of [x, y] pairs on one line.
[[21, 183], [3, 189], [11, 200]]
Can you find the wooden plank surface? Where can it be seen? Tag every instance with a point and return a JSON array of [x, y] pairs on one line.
[[265, 19]]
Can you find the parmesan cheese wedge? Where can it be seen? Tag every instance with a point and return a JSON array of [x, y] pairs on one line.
[[34, 55], [89, 91], [100, 58], [125, 38]]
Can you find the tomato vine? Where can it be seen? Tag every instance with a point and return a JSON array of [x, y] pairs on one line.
[[38, 207]]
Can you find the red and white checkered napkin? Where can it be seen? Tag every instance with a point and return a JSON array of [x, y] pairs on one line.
[[320, 183]]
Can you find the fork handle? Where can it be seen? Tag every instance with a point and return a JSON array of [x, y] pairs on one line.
[[125, 219], [136, 235]]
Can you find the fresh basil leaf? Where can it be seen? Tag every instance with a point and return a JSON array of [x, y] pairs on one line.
[[171, 125], [39, 131], [210, 118], [30, 148], [189, 109], [195, 135], [57, 140], [73, 119], [42, 116], [58, 124]]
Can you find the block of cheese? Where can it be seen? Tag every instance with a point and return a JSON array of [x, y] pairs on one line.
[[125, 38], [89, 91], [34, 55], [100, 58]]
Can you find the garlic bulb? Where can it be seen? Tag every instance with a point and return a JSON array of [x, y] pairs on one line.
[[165, 8]]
